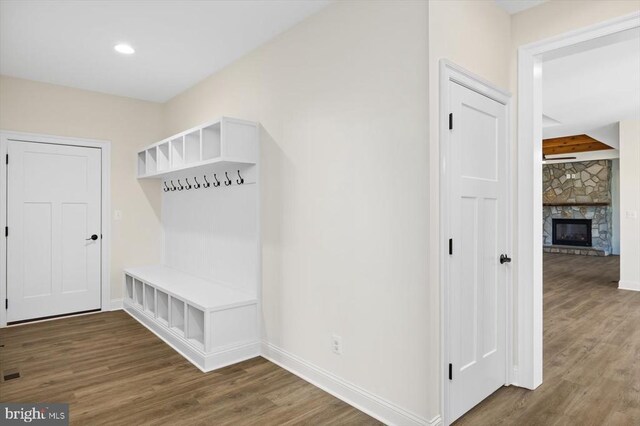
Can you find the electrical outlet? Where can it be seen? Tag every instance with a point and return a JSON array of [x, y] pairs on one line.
[[336, 344], [574, 176], [117, 214]]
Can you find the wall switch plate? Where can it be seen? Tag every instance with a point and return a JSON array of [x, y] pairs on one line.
[[336, 344], [632, 214], [117, 214]]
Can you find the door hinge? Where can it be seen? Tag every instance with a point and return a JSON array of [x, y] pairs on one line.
[[6, 231], [7, 159], [450, 245], [450, 371], [6, 303], [450, 121]]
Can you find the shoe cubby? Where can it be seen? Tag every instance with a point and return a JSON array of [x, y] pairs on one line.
[[138, 293], [162, 304], [149, 300], [128, 288], [177, 316], [195, 327]]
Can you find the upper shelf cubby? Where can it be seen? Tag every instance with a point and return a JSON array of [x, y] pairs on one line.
[[226, 140]]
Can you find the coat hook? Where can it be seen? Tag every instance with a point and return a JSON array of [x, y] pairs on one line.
[[166, 188], [206, 184], [174, 187], [180, 188], [241, 180], [228, 181], [188, 184], [196, 185], [217, 182]]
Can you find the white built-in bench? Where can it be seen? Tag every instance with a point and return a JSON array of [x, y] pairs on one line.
[[210, 231], [209, 323]]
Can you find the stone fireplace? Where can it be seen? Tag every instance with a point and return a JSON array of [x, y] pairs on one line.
[[577, 208]]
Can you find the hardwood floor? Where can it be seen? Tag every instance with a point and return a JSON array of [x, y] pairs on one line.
[[112, 370], [591, 352]]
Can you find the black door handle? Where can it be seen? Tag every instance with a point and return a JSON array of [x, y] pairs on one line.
[[93, 238], [504, 259]]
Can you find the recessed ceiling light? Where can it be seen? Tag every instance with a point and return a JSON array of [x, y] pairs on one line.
[[124, 48]]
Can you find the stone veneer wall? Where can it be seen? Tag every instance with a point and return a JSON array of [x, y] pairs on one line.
[[569, 197]]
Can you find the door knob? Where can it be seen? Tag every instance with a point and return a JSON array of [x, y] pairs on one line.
[[504, 259], [93, 237]]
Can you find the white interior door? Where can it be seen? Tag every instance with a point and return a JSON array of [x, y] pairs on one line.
[[478, 228], [54, 225]]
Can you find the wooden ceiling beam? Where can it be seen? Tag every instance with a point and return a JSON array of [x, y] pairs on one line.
[[572, 144]]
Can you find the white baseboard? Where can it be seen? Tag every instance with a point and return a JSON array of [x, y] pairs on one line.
[[375, 406], [515, 376], [629, 285], [116, 304]]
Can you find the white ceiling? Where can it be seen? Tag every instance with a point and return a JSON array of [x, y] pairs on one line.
[[178, 43], [515, 6], [591, 87]]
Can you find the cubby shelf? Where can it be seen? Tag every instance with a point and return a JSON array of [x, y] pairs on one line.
[[204, 299], [205, 320], [226, 141]]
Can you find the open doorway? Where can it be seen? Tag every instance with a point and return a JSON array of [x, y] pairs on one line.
[[588, 92], [530, 230]]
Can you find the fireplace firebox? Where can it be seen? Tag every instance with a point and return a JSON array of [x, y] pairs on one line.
[[572, 232]]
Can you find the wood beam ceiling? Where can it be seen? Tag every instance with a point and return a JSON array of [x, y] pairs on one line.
[[572, 145]]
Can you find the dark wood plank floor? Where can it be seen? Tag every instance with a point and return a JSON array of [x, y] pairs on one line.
[[591, 352], [114, 371]]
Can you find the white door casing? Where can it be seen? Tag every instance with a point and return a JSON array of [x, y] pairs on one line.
[[529, 157], [476, 215], [54, 207]]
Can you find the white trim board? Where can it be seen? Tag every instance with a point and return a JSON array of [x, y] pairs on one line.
[[373, 405], [529, 230], [629, 285], [450, 72], [105, 147]]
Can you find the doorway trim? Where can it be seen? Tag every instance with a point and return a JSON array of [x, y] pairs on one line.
[[105, 150], [529, 163], [450, 72]]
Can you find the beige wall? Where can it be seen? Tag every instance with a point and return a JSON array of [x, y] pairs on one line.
[[342, 100], [630, 204], [475, 35], [28, 106]]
